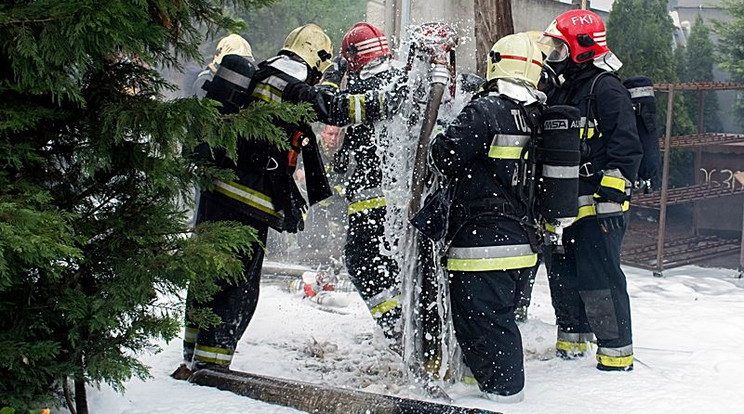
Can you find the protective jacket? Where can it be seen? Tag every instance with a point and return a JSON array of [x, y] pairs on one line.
[[482, 150], [611, 149], [361, 145], [265, 189]]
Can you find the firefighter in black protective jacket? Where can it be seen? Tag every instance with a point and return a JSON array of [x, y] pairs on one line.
[[588, 286], [265, 194], [375, 275], [490, 254]]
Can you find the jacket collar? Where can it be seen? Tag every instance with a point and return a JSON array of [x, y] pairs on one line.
[[291, 67], [521, 93]]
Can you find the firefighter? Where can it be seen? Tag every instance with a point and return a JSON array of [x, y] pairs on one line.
[[265, 194], [366, 53], [229, 45], [490, 254], [588, 286]]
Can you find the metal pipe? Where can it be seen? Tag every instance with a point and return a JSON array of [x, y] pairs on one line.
[[405, 16], [664, 184]]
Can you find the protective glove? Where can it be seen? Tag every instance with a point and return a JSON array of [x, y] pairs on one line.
[[395, 98], [609, 198], [335, 74], [294, 213], [610, 216]]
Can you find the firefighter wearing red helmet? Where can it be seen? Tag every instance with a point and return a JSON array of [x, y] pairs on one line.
[[366, 54], [588, 286]]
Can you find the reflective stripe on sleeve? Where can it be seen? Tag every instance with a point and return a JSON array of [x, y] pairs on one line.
[[591, 128], [329, 83], [641, 91], [247, 196], [357, 111], [480, 259], [214, 355], [270, 89], [507, 146]]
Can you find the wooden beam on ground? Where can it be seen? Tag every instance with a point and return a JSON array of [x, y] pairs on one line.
[[313, 398]]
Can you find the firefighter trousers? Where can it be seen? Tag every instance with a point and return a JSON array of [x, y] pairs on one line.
[[233, 303], [374, 275], [588, 287], [483, 306], [487, 279]]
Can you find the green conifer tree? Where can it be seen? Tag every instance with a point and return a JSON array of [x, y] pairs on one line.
[[699, 60], [267, 28], [730, 45], [95, 244], [641, 33]]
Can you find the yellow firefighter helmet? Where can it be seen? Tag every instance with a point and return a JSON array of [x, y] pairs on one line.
[[312, 45], [516, 57], [232, 45]]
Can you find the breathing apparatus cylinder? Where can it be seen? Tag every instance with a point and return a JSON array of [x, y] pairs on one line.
[[231, 85], [641, 89], [558, 159]]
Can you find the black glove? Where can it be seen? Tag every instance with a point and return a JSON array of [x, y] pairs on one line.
[[294, 212], [335, 74], [612, 218], [610, 198], [395, 98]]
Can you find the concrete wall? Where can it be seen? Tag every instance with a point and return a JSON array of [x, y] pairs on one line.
[[538, 14]]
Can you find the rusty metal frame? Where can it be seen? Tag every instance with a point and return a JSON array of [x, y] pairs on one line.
[[679, 252]]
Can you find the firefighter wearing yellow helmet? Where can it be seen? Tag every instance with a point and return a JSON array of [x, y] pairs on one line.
[[491, 254], [233, 44], [312, 45], [264, 193]]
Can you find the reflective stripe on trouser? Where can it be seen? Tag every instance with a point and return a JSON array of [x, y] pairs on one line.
[[588, 287], [234, 303], [486, 258], [383, 302], [189, 334], [213, 355], [189, 341], [366, 199], [507, 146], [573, 343], [373, 274], [620, 357]]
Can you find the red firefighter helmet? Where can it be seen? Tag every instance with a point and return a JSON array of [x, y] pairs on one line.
[[582, 32], [362, 44]]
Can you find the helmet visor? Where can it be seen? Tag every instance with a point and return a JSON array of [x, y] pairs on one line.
[[557, 50]]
